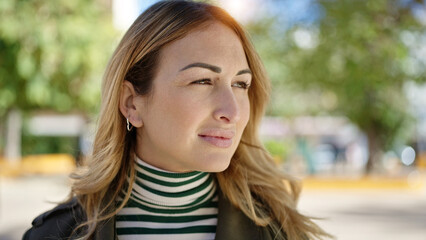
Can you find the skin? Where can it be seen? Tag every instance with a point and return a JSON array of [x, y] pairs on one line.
[[199, 107]]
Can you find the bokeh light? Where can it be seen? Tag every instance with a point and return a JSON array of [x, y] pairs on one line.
[[408, 156]]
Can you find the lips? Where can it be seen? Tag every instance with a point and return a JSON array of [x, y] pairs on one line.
[[218, 137]]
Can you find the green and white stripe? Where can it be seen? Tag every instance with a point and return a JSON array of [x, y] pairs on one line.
[[166, 205]]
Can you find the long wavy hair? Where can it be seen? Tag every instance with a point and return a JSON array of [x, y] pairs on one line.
[[252, 182]]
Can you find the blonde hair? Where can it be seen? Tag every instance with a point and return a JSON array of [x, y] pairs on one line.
[[252, 182]]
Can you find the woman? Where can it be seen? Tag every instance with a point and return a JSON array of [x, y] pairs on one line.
[[176, 153]]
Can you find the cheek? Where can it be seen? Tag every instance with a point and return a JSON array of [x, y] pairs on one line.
[[244, 111], [180, 110]]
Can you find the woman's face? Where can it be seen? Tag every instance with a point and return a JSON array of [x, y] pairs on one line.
[[199, 106]]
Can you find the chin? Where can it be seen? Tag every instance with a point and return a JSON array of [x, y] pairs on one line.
[[215, 166], [219, 167], [222, 168]]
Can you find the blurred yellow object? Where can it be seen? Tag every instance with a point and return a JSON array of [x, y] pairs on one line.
[[421, 162], [372, 182], [38, 164]]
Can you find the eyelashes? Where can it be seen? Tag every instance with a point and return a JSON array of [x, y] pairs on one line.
[[241, 84], [206, 81]]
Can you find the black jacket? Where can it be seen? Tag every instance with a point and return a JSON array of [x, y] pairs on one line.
[[59, 223]]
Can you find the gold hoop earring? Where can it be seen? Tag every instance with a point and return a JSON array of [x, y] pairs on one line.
[[129, 125]]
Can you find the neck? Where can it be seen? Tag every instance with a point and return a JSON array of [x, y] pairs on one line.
[[157, 187]]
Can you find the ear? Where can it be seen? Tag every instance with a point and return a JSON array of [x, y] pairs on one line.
[[129, 106]]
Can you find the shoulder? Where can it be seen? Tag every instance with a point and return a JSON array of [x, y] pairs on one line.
[[234, 224], [57, 223]]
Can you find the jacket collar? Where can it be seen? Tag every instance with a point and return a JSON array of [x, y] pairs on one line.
[[234, 224]]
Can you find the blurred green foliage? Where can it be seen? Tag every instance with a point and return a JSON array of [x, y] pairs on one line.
[[52, 54], [278, 149], [353, 62], [47, 145]]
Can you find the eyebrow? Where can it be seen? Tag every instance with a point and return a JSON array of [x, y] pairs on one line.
[[244, 71], [212, 68]]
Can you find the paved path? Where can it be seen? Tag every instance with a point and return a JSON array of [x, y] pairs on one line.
[[351, 214], [22, 199], [368, 214]]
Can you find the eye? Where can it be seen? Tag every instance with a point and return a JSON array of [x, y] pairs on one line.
[[243, 85], [204, 81]]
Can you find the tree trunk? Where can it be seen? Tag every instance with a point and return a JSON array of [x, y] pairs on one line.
[[375, 152], [13, 136]]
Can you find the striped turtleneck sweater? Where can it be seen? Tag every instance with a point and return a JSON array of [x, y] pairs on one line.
[[168, 205]]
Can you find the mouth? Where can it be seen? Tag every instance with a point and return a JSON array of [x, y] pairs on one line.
[[218, 138]]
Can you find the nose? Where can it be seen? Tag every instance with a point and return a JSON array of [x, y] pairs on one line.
[[227, 108]]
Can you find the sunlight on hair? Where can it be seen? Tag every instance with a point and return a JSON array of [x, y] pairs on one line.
[[124, 13], [242, 10]]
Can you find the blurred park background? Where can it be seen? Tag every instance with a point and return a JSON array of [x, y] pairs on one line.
[[347, 113]]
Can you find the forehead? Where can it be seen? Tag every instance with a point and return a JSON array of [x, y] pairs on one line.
[[214, 43]]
